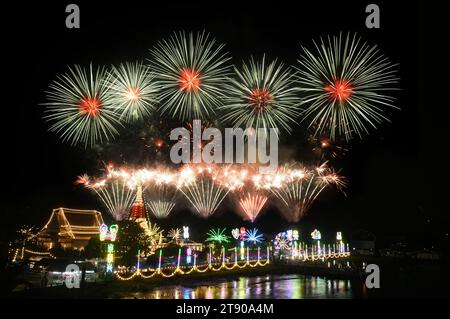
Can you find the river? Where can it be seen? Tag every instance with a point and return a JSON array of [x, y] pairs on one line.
[[260, 287]]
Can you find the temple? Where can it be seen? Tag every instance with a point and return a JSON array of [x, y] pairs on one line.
[[70, 228]]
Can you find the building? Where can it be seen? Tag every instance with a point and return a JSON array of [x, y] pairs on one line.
[[71, 228]]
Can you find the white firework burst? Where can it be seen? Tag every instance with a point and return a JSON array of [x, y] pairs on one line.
[[79, 108], [190, 71], [262, 96], [345, 85], [132, 91]]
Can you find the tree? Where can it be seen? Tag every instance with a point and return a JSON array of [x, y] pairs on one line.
[[131, 238], [93, 248]]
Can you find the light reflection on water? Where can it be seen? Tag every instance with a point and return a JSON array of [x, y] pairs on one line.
[[271, 286]]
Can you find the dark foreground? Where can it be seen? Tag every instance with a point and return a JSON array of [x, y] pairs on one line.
[[398, 280]]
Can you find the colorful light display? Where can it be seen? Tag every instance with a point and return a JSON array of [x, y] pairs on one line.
[[109, 236]]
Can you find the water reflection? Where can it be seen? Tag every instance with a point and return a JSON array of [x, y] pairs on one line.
[[272, 286]]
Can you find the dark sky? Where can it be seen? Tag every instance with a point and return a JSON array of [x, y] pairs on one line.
[[398, 176]]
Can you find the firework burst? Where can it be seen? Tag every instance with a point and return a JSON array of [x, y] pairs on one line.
[[160, 199], [345, 86], [204, 194], [262, 97], [190, 71], [79, 108], [252, 204], [117, 198], [132, 91], [302, 187]]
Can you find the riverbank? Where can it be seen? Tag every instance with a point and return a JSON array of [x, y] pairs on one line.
[[393, 271]]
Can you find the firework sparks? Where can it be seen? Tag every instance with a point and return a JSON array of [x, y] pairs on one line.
[[204, 194], [116, 197], [160, 199], [252, 204], [79, 107], [132, 91], [206, 186], [345, 86], [190, 70], [302, 188], [262, 97]]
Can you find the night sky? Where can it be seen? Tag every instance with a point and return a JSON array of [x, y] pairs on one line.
[[398, 176]]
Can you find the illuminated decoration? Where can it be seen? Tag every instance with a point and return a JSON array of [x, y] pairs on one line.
[[159, 260], [188, 255], [185, 232], [175, 234], [242, 233], [338, 236], [217, 235], [289, 235], [295, 234], [235, 233], [253, 236], [109, 237], [223, 255], [316, 235], [242, 250], [179, 258], [195, 268]]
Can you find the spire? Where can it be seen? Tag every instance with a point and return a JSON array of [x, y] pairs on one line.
[[138, 211]]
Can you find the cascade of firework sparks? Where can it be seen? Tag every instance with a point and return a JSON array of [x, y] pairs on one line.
[[345, 85], [262, 97], [206, 186], [132, 91], [190, 70], [116, 196], [302, 188], [160, 199], [252, 204], [79, 107], [205, 195]]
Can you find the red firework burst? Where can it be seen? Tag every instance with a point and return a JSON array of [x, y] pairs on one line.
[[90, 106], [340, 90], [260, 99], [189, 80]]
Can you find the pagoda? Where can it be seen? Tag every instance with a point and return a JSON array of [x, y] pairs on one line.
[[138, 212]]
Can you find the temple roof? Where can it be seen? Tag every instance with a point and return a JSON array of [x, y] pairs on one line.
[[74, 223]]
